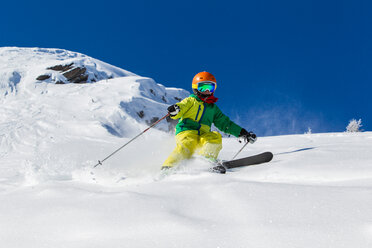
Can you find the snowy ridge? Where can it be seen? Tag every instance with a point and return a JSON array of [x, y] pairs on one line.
[[316, 192], [27, 64]]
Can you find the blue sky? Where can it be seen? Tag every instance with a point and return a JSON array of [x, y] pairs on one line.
[[281, 66]]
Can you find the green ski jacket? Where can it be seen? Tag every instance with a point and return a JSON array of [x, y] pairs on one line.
[[197, 115]]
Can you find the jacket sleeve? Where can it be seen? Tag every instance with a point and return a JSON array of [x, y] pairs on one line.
[[184, 105], [223, 123]]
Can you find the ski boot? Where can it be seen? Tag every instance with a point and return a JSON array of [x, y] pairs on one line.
[[219, 169], [217, 166]]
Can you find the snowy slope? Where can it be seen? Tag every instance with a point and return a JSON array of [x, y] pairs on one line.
[[316, 192]]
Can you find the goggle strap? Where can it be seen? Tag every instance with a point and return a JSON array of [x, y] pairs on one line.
[[207, 82]]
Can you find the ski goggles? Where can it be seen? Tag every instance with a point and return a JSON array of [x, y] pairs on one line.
[[206, 85]]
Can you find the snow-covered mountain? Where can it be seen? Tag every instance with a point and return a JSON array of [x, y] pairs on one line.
[[62, 111], [26, 72], [47, 95]]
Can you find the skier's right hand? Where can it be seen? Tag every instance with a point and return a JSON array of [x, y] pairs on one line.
[[173, 110], [248, 136]]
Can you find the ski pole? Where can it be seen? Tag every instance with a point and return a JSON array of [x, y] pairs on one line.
[[241, 149], [101, 161]]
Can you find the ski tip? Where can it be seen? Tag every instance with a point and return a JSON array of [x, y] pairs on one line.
[[270, 156]]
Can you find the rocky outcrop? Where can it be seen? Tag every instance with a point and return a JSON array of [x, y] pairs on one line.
[[76, 75], [70, 73], [43, 77], [61, 67]]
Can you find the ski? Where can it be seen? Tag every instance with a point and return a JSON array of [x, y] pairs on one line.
[[247, 161]]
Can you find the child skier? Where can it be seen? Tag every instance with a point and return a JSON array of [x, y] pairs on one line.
[[193, 131]]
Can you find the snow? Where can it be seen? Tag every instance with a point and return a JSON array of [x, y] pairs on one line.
[[316, 192]]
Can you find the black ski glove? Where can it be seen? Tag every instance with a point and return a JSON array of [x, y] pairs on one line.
[[173, 110], [248, 136]]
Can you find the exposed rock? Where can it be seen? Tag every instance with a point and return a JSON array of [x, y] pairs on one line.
[[43, 77], [61, 67], [76, 75], [141, 114], [152, 121], [177, 98]]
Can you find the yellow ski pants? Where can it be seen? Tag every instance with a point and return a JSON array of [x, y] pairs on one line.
[[208, 145]]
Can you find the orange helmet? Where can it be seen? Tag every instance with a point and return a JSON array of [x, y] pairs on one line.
[[203, 77]]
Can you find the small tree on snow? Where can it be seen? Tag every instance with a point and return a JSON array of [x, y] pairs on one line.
[[354, 126]]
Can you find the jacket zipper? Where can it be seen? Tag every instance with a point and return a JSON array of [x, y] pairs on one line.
[[201, 117], [197, 114]]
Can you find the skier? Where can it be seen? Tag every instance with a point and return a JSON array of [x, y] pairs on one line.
[[193, 131]]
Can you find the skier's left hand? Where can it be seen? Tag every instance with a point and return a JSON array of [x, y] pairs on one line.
[[248, 136]]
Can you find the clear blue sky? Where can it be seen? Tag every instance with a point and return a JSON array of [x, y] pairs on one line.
[[281, 66]]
